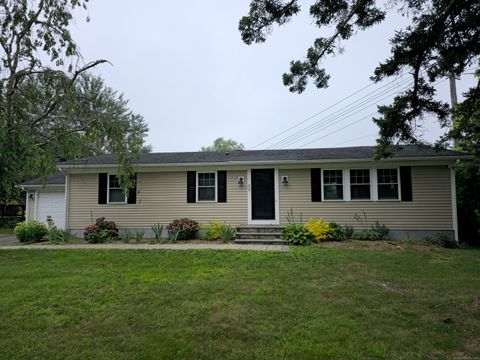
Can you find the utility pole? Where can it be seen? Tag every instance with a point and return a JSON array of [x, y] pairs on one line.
[[453, 99]]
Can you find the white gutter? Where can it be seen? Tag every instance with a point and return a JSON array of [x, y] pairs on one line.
[[453, 190], [270, 162]]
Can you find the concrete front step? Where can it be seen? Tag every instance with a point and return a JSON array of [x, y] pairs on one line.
[[260, 229], [258, 235], [260, 241]]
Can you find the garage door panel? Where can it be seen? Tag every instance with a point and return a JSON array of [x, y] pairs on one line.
[[51, 204]]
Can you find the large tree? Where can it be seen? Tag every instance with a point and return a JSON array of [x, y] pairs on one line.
[[443, 39], [49, 108], [222, 145]]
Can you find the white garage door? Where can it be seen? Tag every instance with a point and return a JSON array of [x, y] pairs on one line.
[[53, 204]]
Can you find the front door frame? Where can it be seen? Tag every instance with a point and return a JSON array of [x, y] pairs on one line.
[[275, 221]]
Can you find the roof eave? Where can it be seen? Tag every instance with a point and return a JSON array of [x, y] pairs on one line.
[[272, 162]]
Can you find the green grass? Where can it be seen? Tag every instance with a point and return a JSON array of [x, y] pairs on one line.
[[309, 303], [6, 231]]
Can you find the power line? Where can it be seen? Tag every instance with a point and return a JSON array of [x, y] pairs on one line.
[[328, 122], [367, 99], [322, 111], [355, 122]]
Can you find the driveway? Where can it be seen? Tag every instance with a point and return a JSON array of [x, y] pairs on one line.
[[8, 240]]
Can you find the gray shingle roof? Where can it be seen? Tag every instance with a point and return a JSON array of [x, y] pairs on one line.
[[354, 153], [55, 179]]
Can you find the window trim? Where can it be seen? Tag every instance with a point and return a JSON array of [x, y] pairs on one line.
[[197, 186], [108, 192], [343, 186], [398, 183], [370, 175]]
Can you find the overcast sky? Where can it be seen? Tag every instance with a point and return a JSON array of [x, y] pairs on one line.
[[183, 66]]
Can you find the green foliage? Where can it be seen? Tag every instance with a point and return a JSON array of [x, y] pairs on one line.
[[222, 145], [227, 233], [320, 229], [100, 232], [57, 235], [30, 231], [216, 230], [128, 235], [442, 38], [174, 234], [340, 233], [139, 236], [213, 230], [8, 223], [375, 232], [444, 240], [50, 111], [157, 231], [186, 228], [297, 234]]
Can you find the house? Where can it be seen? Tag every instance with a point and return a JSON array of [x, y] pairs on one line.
[[412, 192]]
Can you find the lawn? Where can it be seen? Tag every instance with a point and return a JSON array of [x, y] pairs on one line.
[[308, 303]]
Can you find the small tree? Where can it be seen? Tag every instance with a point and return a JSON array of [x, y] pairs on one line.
[[222, 145]]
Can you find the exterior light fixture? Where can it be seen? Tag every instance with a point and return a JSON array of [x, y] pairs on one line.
[[241, 180], [285, 180]]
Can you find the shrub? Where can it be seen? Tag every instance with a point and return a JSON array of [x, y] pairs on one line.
[[443, 239], [100, 232], [227, 233], [187, 229], [128, 235], [339, 232], [174, 234], [8, 223], [376, 232], [213, 230], [139, 236], [157, 231], [30, 231], [297, 234], [320, 229]]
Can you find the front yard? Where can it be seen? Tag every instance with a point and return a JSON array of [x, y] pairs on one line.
[[309, 303]]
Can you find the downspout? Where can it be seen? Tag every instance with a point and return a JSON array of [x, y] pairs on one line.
[[453, 190], [67, 200]]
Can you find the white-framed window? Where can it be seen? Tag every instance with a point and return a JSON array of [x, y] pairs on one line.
[[332, 184], [360, 188], [206, 186], [388, 184], [115, 193]]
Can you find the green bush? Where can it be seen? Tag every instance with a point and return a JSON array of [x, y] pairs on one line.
[[186, 228], [30, 231], [376, 232], [444, 240], [227, 233], [213, 230], [100, 232], [339, 232], [128, 235], [157, 231], [139, 236], [297, 234]]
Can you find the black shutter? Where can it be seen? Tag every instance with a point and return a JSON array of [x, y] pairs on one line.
[[132, 193], [222, 186], [316, 184], [191, 180], [406, 183], [102, 188]]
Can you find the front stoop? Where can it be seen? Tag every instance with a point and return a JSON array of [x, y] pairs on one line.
[[266, 235]]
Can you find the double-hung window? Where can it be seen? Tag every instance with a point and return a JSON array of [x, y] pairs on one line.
[[207, 186], [333, 184], [360, 184], [115, 191], [387, 182]]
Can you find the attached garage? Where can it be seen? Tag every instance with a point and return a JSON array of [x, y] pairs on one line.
[[51, 203], [46, 199]]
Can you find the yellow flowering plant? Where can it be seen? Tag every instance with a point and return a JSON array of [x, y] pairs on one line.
[[320, 229]]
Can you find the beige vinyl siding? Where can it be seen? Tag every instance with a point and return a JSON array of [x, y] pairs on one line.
[[161, 197], [31, 208], [430, 209]]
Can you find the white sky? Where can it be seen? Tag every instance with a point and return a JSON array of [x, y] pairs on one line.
[[183, 66]]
